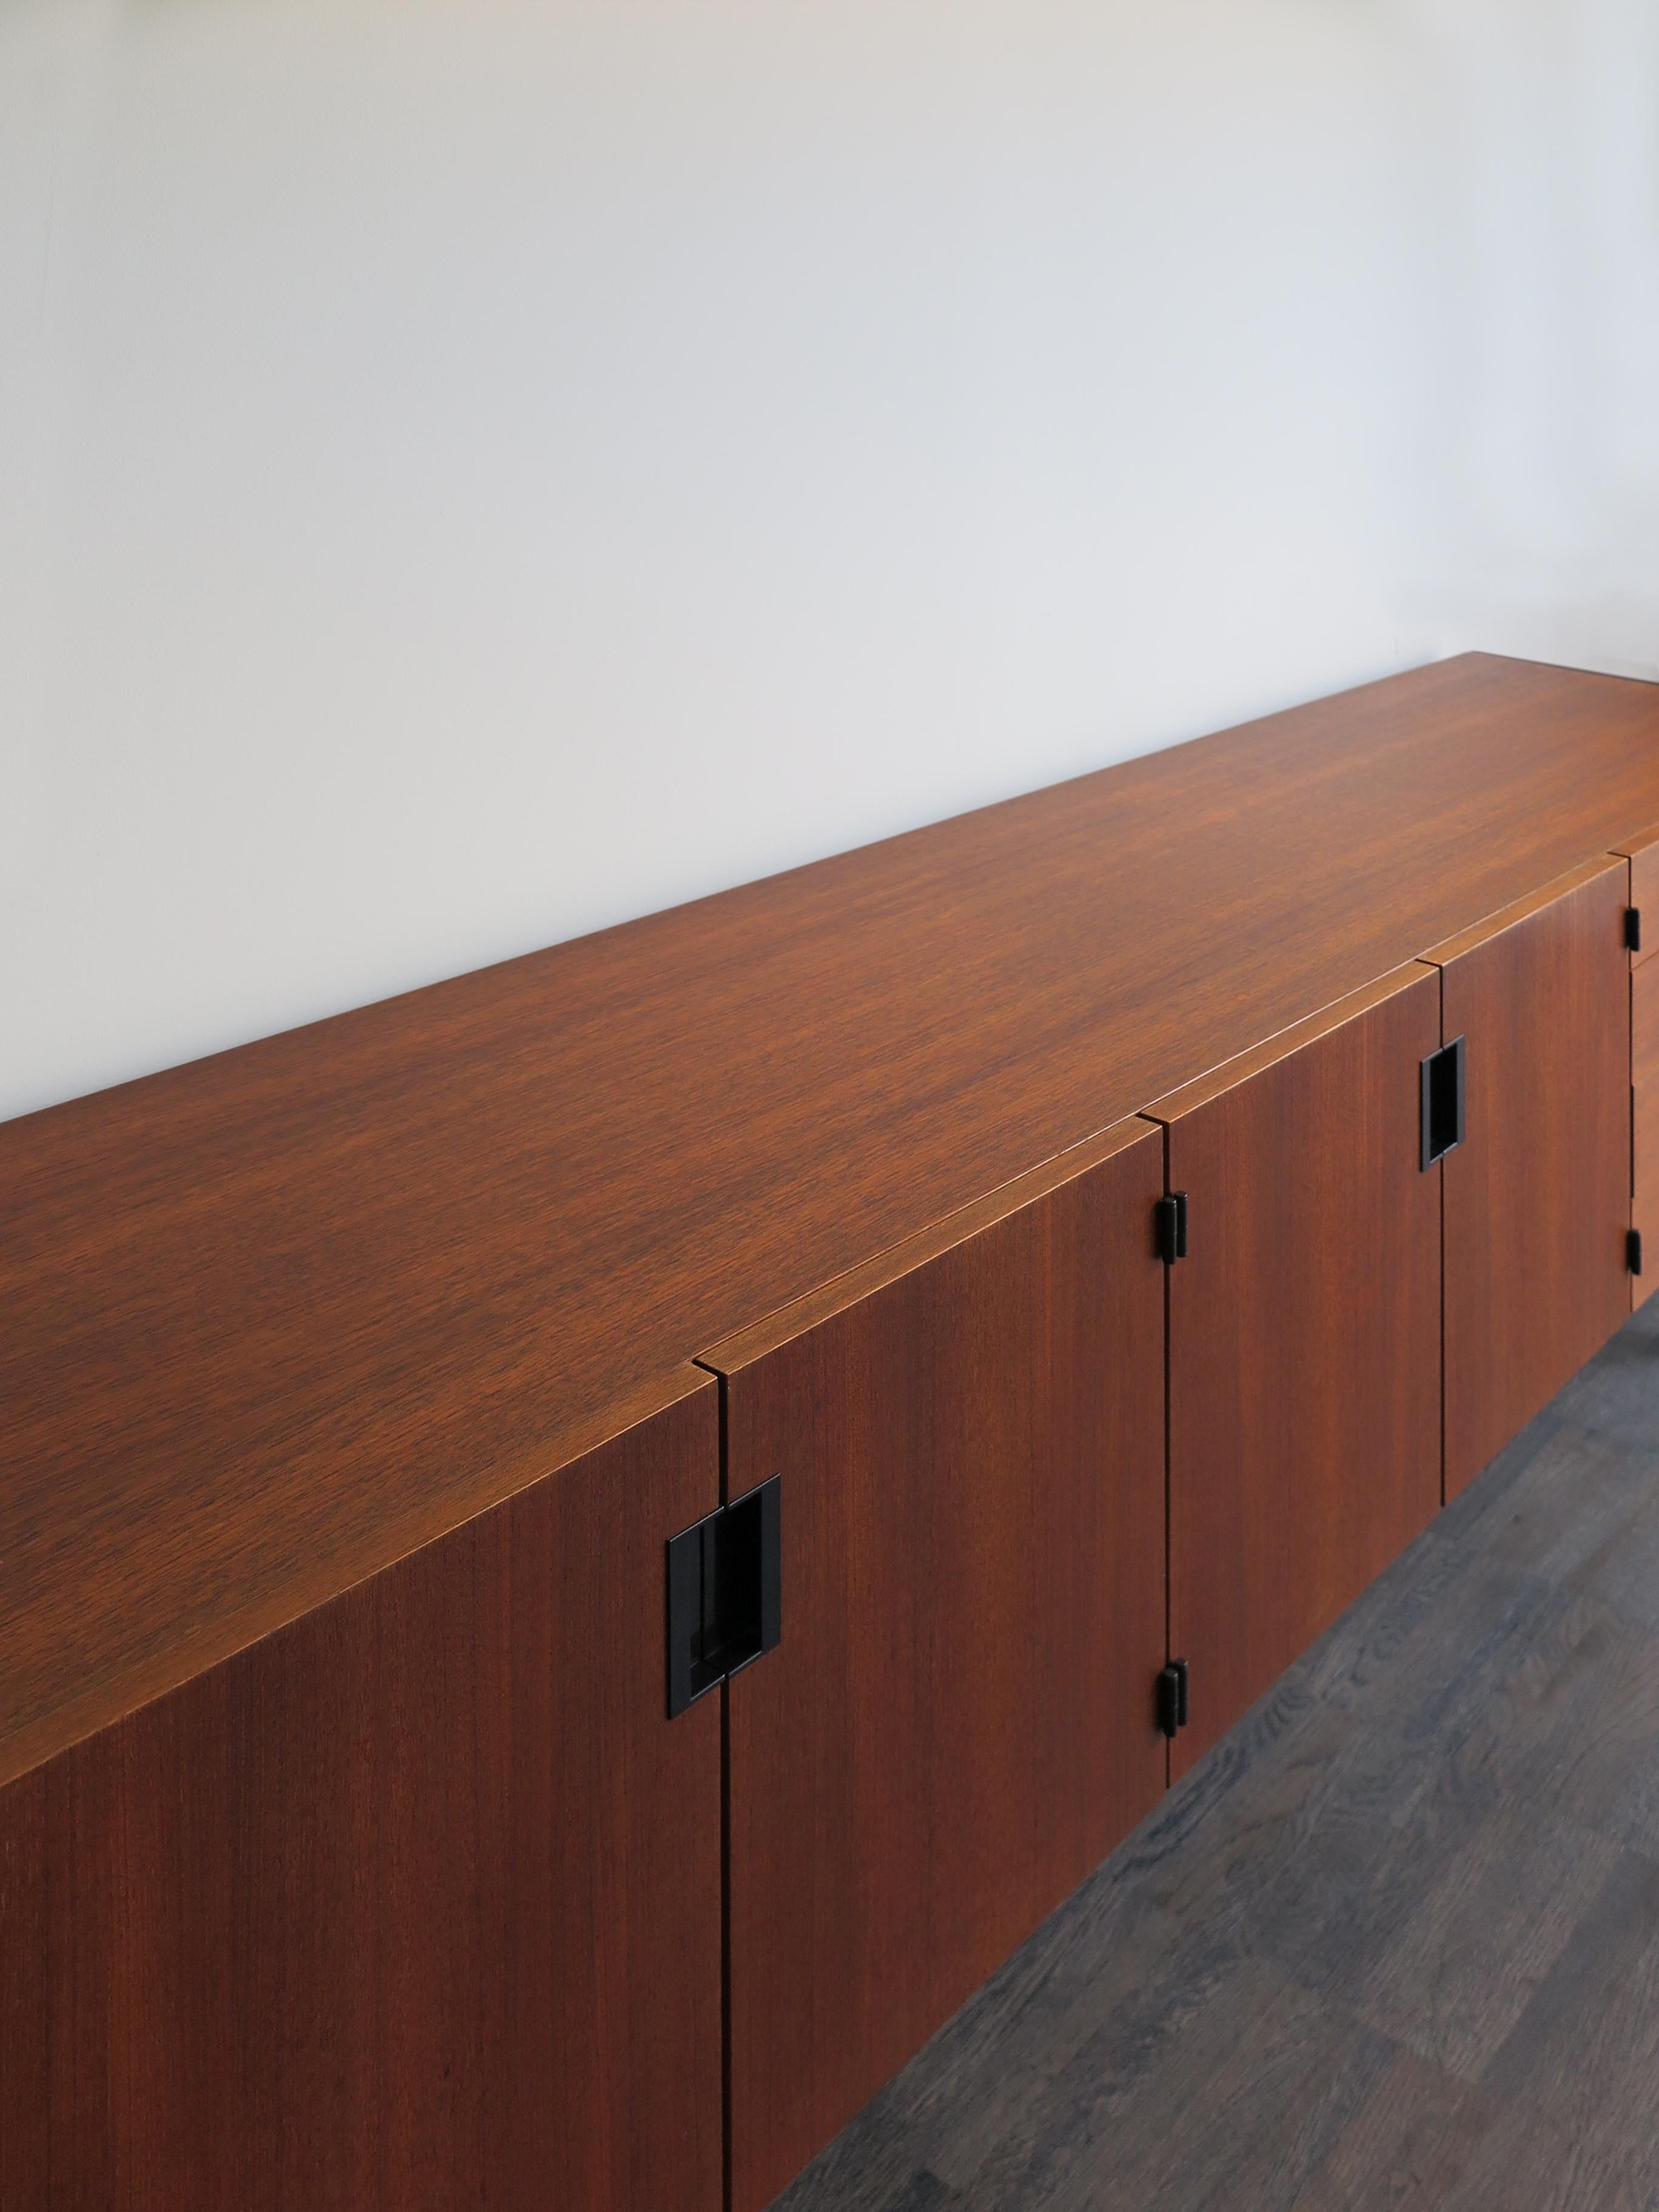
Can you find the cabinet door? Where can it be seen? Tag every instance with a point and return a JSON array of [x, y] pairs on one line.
[[1304, 1340], [959, 1721], [414, 1904], [1538, 1195]]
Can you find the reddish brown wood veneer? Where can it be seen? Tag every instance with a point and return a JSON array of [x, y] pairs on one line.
[[415, 1903], [1645, 1122], [1538, 1199], [276, 1319], [1304, 1340], [1642, 852], [957, 1724]]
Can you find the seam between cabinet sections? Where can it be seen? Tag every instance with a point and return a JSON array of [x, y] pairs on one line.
[[1168, 1466]]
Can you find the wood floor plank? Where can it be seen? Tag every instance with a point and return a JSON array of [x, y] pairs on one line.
[[1408, 2146], [1571, 1507], [1583, 2059], [1566, 1727], [1621, 1571], [1489, 1926], [1617, 1393], [1282, 2076], [1524, 2163]]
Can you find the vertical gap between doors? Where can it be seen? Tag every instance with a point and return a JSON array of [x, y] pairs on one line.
[[1440, 1167], [725, 1848], [1169, 1477]]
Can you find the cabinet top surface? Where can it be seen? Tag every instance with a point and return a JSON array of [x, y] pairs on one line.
[[276, 1318]]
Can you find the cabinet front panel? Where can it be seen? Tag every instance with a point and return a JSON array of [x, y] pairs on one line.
[[413, 1904], [1538, 1197], [958, 1723], [1304, 1349]]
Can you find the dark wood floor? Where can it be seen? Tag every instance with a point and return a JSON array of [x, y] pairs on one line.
[[1395, 1942]]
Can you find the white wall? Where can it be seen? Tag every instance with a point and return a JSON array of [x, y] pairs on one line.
[[473, 472]]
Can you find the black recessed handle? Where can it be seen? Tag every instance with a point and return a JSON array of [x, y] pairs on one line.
[[1444, 1098], [725, 1594]]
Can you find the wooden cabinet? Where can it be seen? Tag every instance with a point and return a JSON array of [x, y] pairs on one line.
[[959, 1721], [349, 1854], [1304, 1340], [416, 1903], [1538, 1195]]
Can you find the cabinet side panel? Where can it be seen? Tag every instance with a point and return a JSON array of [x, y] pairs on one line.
[[1538, 1199], [1645, 1119], [959, 1723], [415, 1903], [1644, 894], [1304, 1352]]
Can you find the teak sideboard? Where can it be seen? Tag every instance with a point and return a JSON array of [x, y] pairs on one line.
[[584, 1552]]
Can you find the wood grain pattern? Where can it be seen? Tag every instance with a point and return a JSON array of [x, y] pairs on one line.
[[958, 1723], [276, 1319], [1538, 1200], [1645, 1120], [1304, 1352], [1642, 851], [414, 1905]]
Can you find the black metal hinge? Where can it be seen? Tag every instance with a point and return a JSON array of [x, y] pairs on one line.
[[1170, 1226], [724, 1593], [1634, 1250], [1444, 1101], [1632, 929], [1172, 1697]]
